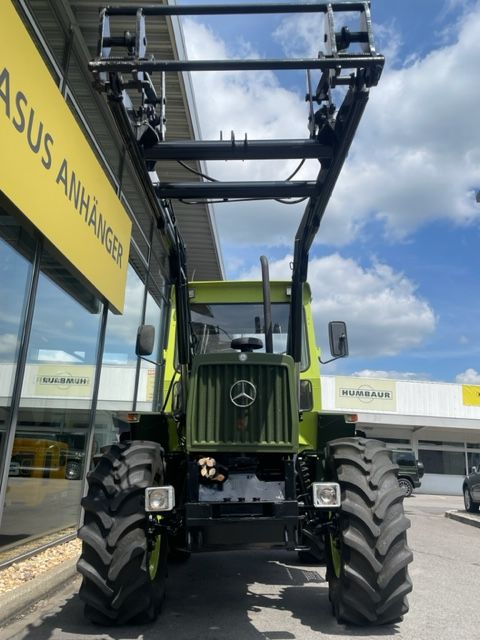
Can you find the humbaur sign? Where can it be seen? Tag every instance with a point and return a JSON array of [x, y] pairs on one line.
[[63, 380], [365, 393]]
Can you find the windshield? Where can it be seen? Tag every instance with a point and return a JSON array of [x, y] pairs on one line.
[[216, 325]]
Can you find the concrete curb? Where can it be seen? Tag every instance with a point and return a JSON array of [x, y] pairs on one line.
[[15, 601], [463, 516]]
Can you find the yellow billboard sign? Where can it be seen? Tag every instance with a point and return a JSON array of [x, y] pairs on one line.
[[471, 395], [49, 171], [365, 394]]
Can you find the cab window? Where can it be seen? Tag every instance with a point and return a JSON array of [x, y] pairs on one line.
[[216, 325]]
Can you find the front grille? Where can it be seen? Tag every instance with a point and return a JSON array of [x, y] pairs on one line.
[[215, 423]]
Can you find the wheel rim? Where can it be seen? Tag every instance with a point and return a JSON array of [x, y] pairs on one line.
[[336, 555], [405, 487], [466, 499], [154, 558], [154, 555]]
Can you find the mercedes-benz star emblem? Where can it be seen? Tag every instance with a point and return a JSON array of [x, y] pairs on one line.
[[243, 393]]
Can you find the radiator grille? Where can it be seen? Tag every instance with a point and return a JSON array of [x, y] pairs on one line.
[[270, 423]]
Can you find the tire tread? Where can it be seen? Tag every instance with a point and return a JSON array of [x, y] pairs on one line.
[[374, 581], [116, 586]]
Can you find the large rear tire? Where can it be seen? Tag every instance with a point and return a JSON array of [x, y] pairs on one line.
[[123, 568], [367, 552]]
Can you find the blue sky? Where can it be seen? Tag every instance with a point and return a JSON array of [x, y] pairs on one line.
[[397, 253]]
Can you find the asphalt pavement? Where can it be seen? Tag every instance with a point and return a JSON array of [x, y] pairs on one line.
[[271, 596]]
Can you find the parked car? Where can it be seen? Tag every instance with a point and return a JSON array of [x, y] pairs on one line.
[[471, 490], [410, 470]]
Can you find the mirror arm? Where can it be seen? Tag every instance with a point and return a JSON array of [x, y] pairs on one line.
[[170, 387], [331, 360], [158, 364]]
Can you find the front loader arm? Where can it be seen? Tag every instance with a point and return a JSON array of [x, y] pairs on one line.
[[341, 133], [349, 59]]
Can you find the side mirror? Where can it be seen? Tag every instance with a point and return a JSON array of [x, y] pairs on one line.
[[337, 332], [145, 340], [473, 470]]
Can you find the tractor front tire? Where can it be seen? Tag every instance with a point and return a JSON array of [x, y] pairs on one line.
[[367, 552], [124, 569]]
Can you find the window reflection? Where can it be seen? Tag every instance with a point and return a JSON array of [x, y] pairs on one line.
[[14, 279], [122, 329], [49, 451], [119, 367], [34, 457], [117, 382], [16, 254], [149, 388]]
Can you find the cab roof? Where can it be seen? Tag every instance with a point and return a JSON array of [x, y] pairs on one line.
[[238, 291]]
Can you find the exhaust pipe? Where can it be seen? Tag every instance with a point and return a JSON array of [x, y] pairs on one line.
[[267, 306]]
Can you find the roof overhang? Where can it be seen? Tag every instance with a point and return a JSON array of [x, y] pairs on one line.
[[68, 29]]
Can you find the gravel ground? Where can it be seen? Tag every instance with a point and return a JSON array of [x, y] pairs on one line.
[[21, 572]]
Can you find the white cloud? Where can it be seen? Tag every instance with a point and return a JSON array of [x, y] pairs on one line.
[[8, 343], [301, 35], [384, 314], [256, 102], [57, 355], [394, 375], [124, 327], [415, 159], [469, 376]]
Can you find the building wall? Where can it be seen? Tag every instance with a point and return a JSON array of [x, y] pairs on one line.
[[61, 336], [439, 421]]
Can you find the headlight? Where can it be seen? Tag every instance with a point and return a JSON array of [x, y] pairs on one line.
[[326, 494], [159, 498]]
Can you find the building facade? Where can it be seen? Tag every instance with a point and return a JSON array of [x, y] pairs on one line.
[[82, 261], [439, 421]]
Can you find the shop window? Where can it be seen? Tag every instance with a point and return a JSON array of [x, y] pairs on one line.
[[394, 441], [16, 255], [119, 368], [49, 451], [440, 443], [149, 387], [117, 382], [443, 462]]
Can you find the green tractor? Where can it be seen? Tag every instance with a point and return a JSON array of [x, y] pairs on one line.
[[241, 453]]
